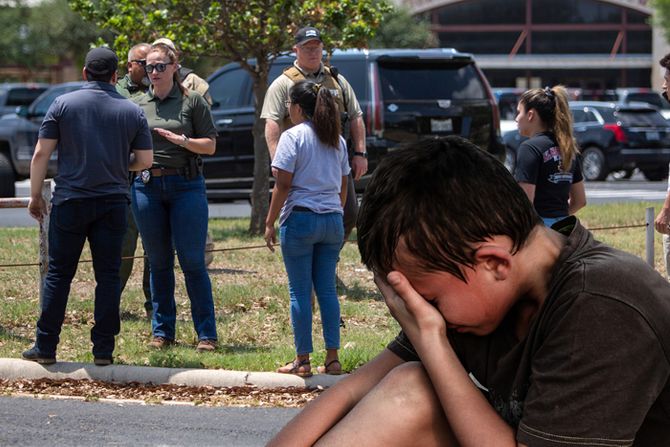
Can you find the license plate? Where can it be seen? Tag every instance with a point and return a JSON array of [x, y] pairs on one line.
[[441, 125], [653, 136]]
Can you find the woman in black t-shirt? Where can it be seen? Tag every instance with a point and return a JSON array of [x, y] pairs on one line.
[[548, 167]]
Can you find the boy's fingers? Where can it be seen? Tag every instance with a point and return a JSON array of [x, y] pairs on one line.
[[403, 288], [393, 301]]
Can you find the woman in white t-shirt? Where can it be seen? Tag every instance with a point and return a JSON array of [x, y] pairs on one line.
[[311, 166]]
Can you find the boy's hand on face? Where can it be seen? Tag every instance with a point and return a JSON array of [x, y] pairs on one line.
[[418, 318]]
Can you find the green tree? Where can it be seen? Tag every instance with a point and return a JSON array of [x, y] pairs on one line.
[[662, 15], [399, 29], [238, 30], [45, 34]]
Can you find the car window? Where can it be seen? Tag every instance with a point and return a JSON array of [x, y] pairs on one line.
[[652, 98], [354, 72], [608, 114], [22, 96], [42, 105], [429, 81], [641, 118], [507, 103], [276, 69], [578, 116], [227, 90], [583, 116]]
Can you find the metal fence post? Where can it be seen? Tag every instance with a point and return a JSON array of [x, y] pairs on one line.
[[649, 245], [44, 237]]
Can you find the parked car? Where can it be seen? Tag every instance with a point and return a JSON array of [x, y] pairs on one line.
[[615, 137], [405, 95], [15, 94], [507, 100], [18, 135], [626, 95]]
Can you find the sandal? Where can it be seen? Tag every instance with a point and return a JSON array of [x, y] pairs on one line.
[[327, 369], [294, 366]]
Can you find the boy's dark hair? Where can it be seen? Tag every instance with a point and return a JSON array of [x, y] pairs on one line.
[[319, 106], [665, 61], [440, 196]]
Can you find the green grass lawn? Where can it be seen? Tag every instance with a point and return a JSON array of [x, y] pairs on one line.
[[251, 301]]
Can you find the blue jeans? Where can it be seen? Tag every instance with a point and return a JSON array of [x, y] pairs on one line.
[[310, 245], [103, 222], [171, 211], [549, 221]]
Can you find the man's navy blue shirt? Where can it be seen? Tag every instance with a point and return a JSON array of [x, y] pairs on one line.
[[96, 129]]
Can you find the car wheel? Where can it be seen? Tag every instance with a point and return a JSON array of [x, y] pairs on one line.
[[624, 174], [510, 159], [654, 175], [593, 164], [7, 178]]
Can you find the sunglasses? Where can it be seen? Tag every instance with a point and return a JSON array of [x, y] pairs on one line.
[[288, 103], [158, 67], [141, 62]]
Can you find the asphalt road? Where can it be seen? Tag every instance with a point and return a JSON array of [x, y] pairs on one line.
[[55, 422]]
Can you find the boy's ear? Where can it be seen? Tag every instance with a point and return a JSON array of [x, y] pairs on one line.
[[496, 259]]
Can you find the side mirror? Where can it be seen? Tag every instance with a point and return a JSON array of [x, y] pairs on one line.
[[22, 111]]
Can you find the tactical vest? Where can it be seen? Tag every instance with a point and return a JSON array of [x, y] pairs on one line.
[[329, 82]]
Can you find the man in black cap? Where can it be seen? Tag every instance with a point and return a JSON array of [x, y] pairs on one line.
[[99, 136], [308, 65]]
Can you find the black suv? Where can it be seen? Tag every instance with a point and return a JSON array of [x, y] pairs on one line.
[[18, 135], [405, 95], [616, 137]]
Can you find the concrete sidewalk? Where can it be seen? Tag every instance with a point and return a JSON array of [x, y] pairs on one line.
[[13, 369]]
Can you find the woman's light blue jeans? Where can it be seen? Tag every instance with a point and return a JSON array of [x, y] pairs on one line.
[[549, 221], [310, 245], [173, 210]]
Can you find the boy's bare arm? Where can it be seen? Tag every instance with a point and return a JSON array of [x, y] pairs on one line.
[[323, 413], [472, 419]]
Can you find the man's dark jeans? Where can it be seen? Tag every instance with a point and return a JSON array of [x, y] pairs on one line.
[[103, 221]]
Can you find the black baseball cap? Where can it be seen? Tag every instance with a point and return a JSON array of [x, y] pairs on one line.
[[101, 61], [306, 34]]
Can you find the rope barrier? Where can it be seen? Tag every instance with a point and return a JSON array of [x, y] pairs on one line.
[[644, 225], [254, 247], [251, 247]]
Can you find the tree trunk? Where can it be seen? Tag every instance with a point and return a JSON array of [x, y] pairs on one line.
[[260, 192]]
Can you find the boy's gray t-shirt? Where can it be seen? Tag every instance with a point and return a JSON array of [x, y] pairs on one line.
[[594, 368], [96, 129], [317, 170]]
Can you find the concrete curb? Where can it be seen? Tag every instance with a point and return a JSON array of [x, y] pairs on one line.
[[13, 369]]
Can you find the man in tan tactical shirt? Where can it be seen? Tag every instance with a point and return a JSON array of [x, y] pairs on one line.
[[308, 65]]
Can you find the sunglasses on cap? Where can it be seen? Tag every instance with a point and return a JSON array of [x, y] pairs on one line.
[[149, 68]]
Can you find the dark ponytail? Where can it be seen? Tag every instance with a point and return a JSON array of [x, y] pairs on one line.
[[318, 105]]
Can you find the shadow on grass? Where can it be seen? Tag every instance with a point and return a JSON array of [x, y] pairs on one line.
[[238, 231], [241, 349], [357, 293], [8, 335], [128, 315], [231, 272]]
